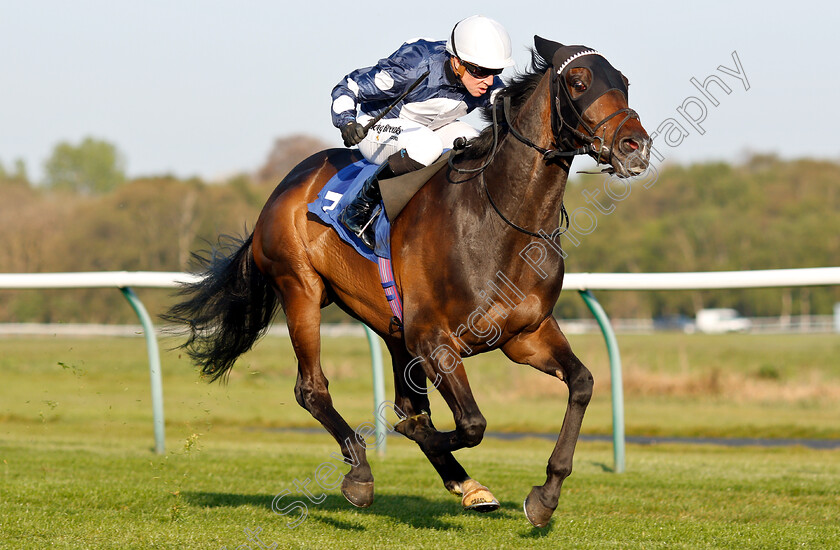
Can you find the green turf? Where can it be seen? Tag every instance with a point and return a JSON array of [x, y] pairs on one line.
[[77, 471], [65, 493], [675, 385]]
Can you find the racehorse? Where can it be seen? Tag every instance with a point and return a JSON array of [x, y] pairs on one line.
[[476, 257]]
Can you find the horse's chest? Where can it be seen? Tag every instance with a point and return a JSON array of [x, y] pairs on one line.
[[494, 311]]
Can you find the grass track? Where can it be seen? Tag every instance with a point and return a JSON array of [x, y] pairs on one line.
[[66, 494], [76, 469]]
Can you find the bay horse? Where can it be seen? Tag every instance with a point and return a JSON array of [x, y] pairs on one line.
[[476, 257]]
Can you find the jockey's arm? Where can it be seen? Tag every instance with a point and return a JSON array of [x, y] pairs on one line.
[[375, 87]]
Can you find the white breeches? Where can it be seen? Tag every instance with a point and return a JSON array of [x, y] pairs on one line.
[[424, 145]]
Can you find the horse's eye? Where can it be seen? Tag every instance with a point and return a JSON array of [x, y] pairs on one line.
[[579, 86]]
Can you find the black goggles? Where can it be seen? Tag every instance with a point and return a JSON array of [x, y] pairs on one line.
[[480, 72]]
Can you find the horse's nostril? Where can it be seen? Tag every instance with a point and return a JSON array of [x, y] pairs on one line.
[[630, 144]]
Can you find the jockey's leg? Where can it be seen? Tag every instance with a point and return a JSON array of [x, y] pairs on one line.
[[449, 133], [390, 135], [399, 146]]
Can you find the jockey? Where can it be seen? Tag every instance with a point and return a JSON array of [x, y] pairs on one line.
[[462, 76]]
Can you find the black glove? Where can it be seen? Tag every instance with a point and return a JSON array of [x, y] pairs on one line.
[[352, 133]]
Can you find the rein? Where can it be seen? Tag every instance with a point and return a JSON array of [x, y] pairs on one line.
[[547, 154], [564, 215]]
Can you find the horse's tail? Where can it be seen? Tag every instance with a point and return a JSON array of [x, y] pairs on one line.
[[227, 310]]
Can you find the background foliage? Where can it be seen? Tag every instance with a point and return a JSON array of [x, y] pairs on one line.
[[760, 214], [93, 166]]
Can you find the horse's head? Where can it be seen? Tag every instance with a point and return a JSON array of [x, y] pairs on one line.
[[590, 108]]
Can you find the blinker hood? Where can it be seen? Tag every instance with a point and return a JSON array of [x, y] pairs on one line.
[[604, 76]]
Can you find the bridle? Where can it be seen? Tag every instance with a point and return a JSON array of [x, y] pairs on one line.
[[562, 146], [559, 122]]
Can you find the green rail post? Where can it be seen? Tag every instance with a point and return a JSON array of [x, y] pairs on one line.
[[378, 388], [154, 365], [615, 377]]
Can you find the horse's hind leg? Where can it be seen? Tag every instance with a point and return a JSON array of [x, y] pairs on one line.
[[303, 313], [547, 349]]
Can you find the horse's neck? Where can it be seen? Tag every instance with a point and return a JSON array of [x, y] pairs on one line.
[[478, 244], [528, 190]]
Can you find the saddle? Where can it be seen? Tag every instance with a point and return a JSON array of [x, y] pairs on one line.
[[396, 192]]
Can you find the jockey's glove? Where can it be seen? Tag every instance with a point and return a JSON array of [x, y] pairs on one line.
[[352, 133]]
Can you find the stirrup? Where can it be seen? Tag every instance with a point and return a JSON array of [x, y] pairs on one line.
[[373, 216], [369, 224]]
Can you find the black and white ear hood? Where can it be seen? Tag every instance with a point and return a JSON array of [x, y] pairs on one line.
[[604, 76]]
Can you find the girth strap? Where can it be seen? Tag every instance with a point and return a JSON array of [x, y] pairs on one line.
[[392, 294]]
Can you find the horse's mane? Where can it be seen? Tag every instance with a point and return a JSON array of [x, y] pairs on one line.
[[519, 88]]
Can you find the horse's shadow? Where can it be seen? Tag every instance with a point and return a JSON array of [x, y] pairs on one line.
[[414, 511]]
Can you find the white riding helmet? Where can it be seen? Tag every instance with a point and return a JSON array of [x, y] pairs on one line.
[[481, 41]]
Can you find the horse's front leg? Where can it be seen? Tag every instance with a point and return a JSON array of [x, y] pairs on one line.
[[548, 350], [444, 367], [412, 399]]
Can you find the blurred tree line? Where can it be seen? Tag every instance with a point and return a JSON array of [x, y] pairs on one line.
[[764, 213], [87, 216]]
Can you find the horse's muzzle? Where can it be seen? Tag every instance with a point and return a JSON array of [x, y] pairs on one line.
[[632, 156]]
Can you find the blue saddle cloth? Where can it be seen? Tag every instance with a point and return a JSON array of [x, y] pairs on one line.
[[337, 193]]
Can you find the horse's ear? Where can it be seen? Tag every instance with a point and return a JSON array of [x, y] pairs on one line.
[[546, 48]]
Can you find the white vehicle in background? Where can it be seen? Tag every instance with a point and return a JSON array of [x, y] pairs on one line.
[[720, 320]]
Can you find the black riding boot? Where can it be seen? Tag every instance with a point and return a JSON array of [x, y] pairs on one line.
[[359, 216]]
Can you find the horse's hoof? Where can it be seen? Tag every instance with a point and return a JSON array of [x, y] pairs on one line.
[[454, 487], [477, 497], [357, 493], [536, 512]]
